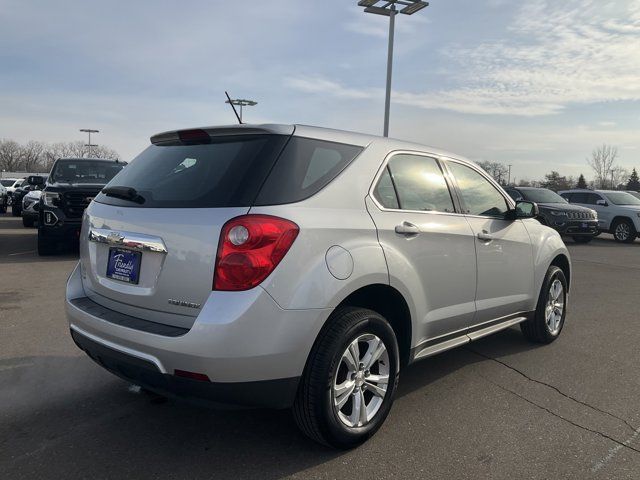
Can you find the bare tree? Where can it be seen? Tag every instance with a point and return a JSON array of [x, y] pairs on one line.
[[497, 170], [32, 157], [619, 177], [10, 155], [602, 162]]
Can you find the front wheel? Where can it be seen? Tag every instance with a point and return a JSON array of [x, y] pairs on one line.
[[350, 379], [28, 222], [582, 238], [548, 319], [624, 231]]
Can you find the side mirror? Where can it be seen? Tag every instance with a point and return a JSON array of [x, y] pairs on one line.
[[35, 180], [524, 209], [602, 203]]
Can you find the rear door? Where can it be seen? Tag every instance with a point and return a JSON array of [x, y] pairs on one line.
[[503, 247], [155, 252], [428, 245]]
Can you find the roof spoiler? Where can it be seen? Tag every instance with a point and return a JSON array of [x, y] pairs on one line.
[[205, 134]]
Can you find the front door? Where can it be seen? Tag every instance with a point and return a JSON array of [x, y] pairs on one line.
[[503, 247]]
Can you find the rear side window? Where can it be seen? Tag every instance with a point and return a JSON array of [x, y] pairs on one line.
[[227, 172], [305, 167], [385, 193], [420, 184]]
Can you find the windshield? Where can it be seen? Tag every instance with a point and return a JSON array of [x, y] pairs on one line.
[[7, 183], [85, 171], [622, 198], [542, 195]]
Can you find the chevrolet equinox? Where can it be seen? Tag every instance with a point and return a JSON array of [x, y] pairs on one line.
[[294, 266]]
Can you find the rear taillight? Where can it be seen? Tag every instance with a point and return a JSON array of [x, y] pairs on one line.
[[250, 248]]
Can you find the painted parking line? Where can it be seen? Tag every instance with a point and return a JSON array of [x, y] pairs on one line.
[[21, 253]]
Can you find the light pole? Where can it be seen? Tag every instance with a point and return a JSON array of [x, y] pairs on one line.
[[241, 102], [89, 131], [509, 181], [389, 9]]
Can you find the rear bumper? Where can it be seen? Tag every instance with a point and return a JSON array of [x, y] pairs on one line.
[[245, 344], [278, 393]]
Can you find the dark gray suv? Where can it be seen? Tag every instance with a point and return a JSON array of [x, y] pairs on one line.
[[580, 223]]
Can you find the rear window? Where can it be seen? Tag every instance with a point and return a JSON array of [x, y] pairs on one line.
[[305, 167], [238, 171], [7, 183], [225, 173]]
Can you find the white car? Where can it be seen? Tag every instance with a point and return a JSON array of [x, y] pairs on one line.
[[618, 212], [3, 198], [31, 208], [13, 184]]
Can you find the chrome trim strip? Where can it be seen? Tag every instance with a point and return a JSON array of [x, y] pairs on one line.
[[132, 241], [429, 348], [120, 348]]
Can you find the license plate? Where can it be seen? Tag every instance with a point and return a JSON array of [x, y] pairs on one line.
[[585, 225], [124, 265]]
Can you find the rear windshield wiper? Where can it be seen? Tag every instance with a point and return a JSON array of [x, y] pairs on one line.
[[125, 193]]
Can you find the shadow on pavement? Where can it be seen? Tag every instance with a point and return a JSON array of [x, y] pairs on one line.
[[65, 415]]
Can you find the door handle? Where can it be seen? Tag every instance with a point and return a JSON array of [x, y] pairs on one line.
[[485, 236], [406, 228]]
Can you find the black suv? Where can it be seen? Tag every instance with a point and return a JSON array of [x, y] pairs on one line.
[[580, 223], [72, 184]]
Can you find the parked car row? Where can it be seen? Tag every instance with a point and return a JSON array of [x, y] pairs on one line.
[[56, 203], [584, 214]]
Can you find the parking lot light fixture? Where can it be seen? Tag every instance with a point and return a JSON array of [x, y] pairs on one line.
[[241, 102], [89, 131], [389, 8]]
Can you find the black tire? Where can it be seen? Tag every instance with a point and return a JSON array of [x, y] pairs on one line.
[[582, 238], [597, 234], [45, 247], [16, 211], [28, 222], [3, 208], [536, 329], [624, 231], [314, 410]]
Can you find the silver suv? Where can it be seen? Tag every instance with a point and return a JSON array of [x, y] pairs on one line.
[[293, 266]]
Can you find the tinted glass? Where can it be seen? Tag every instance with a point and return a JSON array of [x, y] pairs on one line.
[[225, 173], [542, 195], [622, 198], [384, 191], [305, 167], [7, 183], [420, 184], [516, 195], [592, 198], [84, 171], [478, 195]]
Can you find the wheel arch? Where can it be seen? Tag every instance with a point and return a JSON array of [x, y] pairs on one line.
[[619, 218], [562, 262], [391, 304]]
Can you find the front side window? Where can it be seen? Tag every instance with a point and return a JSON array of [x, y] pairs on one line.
[[420, 184], [479, 196], [592, 198]]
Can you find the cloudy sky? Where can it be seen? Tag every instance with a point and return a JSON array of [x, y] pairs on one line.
[[535, 84]]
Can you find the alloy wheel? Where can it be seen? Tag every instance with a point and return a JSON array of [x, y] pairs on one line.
[[622, 231], [555, 307], [361, 381]]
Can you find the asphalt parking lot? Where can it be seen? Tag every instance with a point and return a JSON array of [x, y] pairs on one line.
[[501, 408]]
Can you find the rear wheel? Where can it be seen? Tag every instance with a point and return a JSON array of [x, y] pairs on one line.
[[624, 231], [28, 222], [16, 211], [548, 319], [349, 383], [582, 238], [46, 247]]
